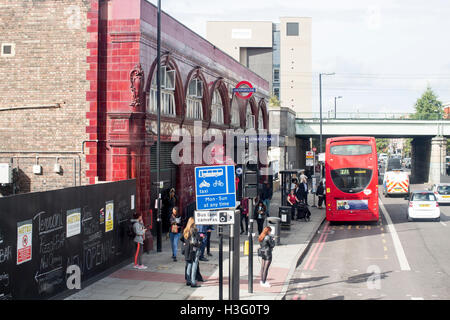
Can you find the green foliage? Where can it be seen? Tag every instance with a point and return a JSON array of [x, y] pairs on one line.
[[407, 147], [428, 107], [274, 102], [382, 145]]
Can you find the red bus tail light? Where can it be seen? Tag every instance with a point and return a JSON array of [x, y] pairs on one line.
[[411, 204]]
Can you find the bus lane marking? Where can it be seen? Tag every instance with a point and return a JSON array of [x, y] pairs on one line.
[[316, 246], [404, 265], [320, 249]]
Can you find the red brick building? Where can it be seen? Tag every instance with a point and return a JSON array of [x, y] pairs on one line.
[[78, 90]]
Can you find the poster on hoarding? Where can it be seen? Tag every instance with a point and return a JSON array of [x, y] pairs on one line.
[[24, 241], [352, 204], [109, 216], [73, 222]]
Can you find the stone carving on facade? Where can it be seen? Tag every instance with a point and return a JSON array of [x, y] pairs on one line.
[[137, 85]]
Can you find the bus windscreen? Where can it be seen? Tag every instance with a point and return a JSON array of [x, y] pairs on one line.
[[351, 149], [351, 180]]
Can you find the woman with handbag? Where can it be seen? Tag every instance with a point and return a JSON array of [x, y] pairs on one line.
[[174, 231], [267, 244], [192, 244]]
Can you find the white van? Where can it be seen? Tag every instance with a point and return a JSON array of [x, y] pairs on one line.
[[396, 182]]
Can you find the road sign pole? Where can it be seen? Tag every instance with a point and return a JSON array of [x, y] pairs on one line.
[[234, 260], [314, 177], [250, 246], [220, 230]]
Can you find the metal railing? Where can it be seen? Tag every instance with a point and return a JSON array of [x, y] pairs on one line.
[[368, 116]]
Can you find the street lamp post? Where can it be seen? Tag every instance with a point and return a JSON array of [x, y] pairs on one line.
[[158, 145], [320, 94], [335, 98]]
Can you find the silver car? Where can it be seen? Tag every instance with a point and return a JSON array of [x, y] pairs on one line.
[[442, 192]]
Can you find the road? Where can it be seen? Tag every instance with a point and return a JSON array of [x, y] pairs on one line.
[[393, 259]]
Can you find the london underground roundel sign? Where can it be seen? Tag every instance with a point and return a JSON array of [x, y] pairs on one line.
[[244, 87]]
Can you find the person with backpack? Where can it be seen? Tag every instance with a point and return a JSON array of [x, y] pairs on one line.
[[267, 243], [192, 244], [174, 231], [139, 232]]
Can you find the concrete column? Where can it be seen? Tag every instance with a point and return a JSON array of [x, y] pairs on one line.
[[437, 159], [420, 160]]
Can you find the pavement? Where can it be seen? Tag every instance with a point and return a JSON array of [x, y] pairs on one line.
[[164, 278]]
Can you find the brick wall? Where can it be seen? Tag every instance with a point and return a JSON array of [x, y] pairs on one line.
[[49, 68]]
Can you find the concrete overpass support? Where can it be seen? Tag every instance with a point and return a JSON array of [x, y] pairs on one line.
[[437, 159], [420, 159]]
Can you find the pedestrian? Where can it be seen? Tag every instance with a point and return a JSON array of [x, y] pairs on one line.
[[203, 231], [139, 231], [243, 207], [192, 243], [292, 201], [267, 196], [320, 192], [174, 231], [267, 243], [209, 230], [260, 215], [304, 188], [171, 203]]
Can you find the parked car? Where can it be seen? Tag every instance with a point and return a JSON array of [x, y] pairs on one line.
[[442, 192], [423, 205]]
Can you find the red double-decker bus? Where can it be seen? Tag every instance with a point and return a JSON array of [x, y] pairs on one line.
[[351, 179]]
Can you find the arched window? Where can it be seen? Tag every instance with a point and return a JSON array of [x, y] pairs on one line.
[[194, 108], [217, 108], [235, 117], [260, 119], [250, 118], [167, 93]]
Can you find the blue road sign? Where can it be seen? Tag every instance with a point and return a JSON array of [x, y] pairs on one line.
[[215, 187]]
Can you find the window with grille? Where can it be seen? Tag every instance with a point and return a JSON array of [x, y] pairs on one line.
[[168, 107], [250, 119], [194, 108], [260, 120], [235, 117], [217, 108]]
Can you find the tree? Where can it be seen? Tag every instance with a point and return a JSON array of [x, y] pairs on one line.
[[382, 145], [274, 102], [428, 107]]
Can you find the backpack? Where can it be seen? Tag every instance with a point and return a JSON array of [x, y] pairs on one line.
[[130, 230]]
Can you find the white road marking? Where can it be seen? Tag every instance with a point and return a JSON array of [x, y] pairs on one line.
[[444, 224], [417, 298], [404, 265]]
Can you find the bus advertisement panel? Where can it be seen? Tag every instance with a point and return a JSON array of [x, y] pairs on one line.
[[351, 179]]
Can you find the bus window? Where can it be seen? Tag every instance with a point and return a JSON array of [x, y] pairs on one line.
[[351, 149], [351, 180]]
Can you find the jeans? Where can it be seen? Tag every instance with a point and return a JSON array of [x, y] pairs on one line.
[[265, 269], [203, 246], [191, 270], [245, 226], [174, 238]]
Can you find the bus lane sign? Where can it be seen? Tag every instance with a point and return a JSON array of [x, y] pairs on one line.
[[215, 187]]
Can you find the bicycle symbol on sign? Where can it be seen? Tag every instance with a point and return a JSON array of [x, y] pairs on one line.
[[218, 183]]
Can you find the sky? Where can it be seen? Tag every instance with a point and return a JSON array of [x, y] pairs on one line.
[[384, 53]]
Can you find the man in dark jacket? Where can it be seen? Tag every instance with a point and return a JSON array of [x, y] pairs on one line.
[[267, 196]]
